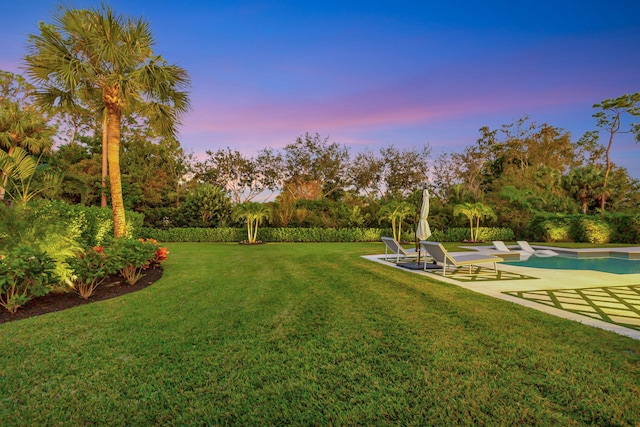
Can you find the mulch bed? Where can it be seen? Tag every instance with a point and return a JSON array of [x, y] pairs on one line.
[[113, 287]]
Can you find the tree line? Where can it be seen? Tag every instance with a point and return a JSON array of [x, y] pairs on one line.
[[112, 114]]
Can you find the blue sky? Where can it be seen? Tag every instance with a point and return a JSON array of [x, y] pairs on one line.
[[373, 73]]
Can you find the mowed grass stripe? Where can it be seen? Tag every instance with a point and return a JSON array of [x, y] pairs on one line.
[[310, 334]]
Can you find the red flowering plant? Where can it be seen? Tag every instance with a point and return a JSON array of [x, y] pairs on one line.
[[160, 253]]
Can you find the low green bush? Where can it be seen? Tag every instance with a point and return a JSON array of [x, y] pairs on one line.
[[130, 257], [90, 268], [25, 272], [555, 230], [625, 227], [90, 225], [591, 229]]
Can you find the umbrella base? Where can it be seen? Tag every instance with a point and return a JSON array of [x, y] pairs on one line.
[[418, 266]]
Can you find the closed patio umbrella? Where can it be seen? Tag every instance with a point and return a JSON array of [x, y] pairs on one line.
[[423, 231]]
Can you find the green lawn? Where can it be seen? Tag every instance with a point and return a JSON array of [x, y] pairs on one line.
[[305, 334]]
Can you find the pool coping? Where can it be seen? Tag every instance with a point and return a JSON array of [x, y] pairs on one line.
[[545, 279], [624, 252]]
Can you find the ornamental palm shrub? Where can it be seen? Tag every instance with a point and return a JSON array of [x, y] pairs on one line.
[[396, 212], [25, 273], [253, 213], [474, 212]]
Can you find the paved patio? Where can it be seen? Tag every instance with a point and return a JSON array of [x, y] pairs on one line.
[[603, 300]]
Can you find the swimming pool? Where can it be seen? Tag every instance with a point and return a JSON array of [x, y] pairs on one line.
[[606, 264]]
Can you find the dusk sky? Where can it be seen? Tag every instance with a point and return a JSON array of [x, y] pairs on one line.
[[369, 73]]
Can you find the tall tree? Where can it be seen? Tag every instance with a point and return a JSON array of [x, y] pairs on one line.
[[405, 170], [584, 184], [242, 177], [97, 54], [366, 173], [609, 118], [314, 159]]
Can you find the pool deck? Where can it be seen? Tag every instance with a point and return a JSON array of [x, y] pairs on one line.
[[550, 279]]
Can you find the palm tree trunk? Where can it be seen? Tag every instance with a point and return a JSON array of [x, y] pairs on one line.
[[113, 155], [105, 165], [5, 180], [471, 228], [615, 126], [255, 231]]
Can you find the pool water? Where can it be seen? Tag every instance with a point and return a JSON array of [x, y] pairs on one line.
[[607, 265]]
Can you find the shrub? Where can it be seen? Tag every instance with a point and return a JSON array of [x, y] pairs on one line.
[[42, 229], [556, 231], [591, 229], [551, 227], [90, 268], [270, 234], [25, 273], [462, 234], [92, 225], [160, 254], [130, 257], [625, 227]]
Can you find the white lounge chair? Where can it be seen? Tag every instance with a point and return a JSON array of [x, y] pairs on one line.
[[391, 244], [501, 247], [442, 256], [525, 246]]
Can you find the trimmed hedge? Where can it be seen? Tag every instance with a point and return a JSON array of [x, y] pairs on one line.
[[462, 234], [267, 234]]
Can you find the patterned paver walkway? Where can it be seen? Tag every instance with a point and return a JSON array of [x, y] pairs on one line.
[[613, 304]]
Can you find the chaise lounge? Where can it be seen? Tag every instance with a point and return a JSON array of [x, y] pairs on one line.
[[396, 249], [441, 256], [500, 247], [525, 246]]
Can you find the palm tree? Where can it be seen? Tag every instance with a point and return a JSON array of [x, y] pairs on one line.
[[474, 212], [396, 212], [253, 213], [89, 54], [585, 184], [19, 168]]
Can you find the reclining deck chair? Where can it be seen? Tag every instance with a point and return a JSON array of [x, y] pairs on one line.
[[507, 252], [391, 244], [525, 246], [442, 256]]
